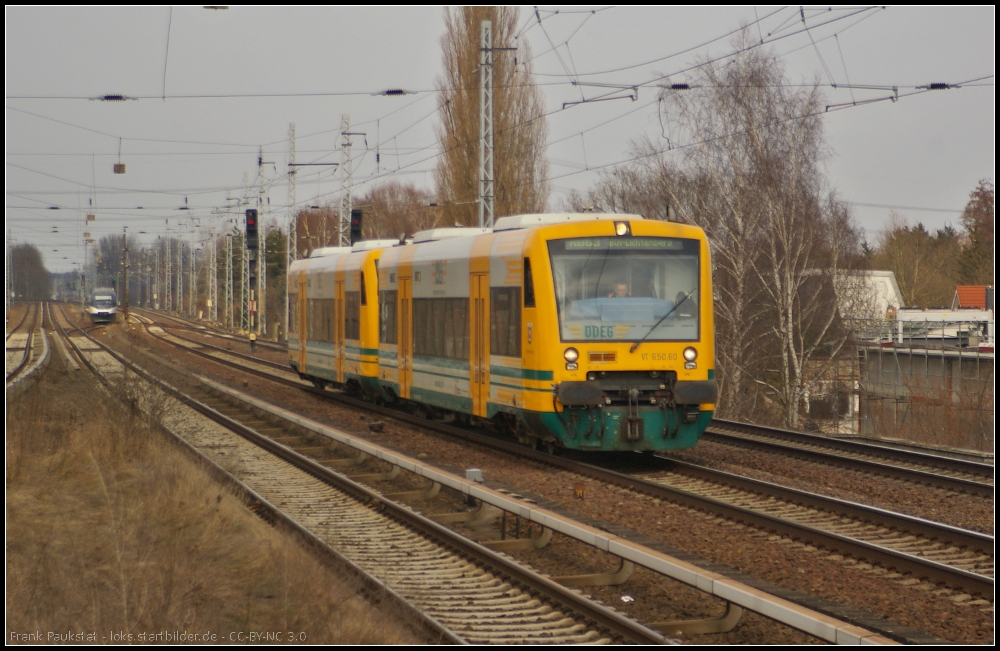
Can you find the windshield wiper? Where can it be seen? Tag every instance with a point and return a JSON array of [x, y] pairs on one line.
[[674, 309]]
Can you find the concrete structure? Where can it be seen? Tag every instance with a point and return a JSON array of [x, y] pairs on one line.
[[932, 395]]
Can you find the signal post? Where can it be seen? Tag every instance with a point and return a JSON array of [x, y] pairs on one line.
[[253, 245]]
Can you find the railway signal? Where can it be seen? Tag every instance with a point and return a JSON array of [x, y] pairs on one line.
[[355, 226], [253, 242]]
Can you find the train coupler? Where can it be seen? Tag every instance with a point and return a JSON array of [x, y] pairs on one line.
[[632, 428]]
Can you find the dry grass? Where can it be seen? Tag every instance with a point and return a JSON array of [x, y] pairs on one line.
[[111, 528]]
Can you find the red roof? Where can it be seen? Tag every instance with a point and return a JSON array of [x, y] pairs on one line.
[[971, 296]]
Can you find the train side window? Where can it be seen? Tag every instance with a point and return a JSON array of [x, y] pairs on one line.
[[364, 290], [293, 313], [311, 319], [456, 328], [387, 317], [529, 285], [505, 321], [352, 315], [328, 311], [441, 327]]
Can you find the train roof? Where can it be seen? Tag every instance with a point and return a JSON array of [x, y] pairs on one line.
[[329, 250], [516, 222], [371, 245], [436, 234]]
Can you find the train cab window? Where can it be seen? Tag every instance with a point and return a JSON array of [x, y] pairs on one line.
[[529, 285], [293, 313], [364, 290], [626, 288]]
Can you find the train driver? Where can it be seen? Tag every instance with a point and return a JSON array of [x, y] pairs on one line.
[[621, 291]]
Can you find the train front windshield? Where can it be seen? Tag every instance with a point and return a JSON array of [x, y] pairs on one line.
[[103, 300], [626, 288]]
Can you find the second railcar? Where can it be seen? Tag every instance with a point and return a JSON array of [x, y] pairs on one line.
[[333, 320]]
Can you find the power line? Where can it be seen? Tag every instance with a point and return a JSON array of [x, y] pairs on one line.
[[669, 56]]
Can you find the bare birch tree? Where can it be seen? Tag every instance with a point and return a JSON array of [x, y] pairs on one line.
[[743, 163], [520, 166], [753, 148]]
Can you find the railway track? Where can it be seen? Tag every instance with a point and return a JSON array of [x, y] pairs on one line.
[[463, 590], [24, 315], [27, 346], [957, 557], [195, 326], [922, 549], [909, 465]]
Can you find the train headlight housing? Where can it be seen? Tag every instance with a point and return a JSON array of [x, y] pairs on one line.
[[690, 355], [571, 355], [621, 228]]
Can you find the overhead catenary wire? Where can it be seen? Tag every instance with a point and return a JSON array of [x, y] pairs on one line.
[[408, 167]]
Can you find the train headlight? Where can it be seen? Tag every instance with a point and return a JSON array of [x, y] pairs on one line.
[[571, 355], [621, 228], [690, 354]]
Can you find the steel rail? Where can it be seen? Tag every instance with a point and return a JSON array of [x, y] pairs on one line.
[[210, 331], [833, 452], [29, 343], [620, 626], [961, 484], [861, 618], [21, 322], [328, 554], [890, 559]]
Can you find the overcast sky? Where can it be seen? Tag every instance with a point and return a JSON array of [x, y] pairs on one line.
[[234, 80]]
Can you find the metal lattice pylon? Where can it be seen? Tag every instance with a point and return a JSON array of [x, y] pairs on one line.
[[486, 126], [291, 242], [229, 281], [180, 275], [346, 179], [245, 287], [167, 285], [213, 277]]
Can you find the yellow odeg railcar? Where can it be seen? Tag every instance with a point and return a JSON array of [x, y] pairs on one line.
[[333, 320], [587, 331]]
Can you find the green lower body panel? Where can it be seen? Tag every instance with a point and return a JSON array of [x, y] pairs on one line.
[[601, 429], [609, 429], [441, 400]]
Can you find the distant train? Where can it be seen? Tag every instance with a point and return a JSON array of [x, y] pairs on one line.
[[103, 307], [586, 331]]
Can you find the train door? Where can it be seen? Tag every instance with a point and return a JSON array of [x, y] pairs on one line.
[[479, 349], [405, 349], [340, 345], [303, 324]]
